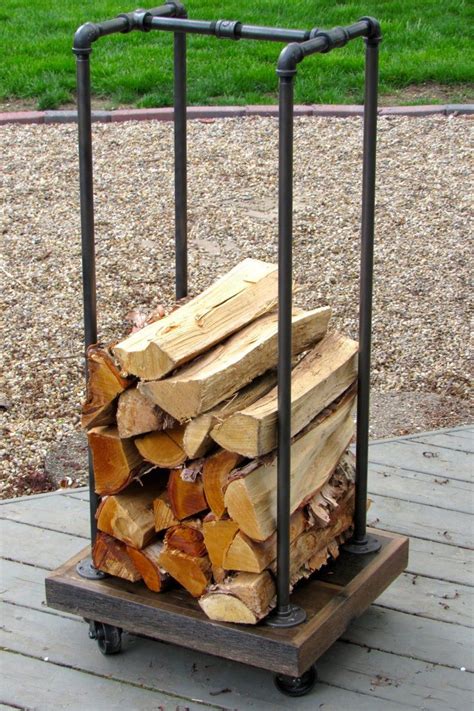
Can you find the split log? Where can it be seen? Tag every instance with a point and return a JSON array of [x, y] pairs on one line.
[[186, 493], [218, 536], [192, 572], [163, 513], [104, 383], [246, 292], [116, 461], [231, 365], [317, 544], [146, 562], [110, 556], [187, 537], [251, 498], [249, 556], [197, 440], [215, 475], [318, 379], [245, 598], [136, 414], [129, 516], [164, 449]]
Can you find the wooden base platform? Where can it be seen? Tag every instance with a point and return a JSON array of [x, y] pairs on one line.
[[331, 600]]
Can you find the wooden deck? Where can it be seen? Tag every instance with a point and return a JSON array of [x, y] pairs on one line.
[[408, 651]]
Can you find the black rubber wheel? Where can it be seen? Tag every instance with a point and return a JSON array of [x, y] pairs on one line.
[[108, 637], [297, 685]]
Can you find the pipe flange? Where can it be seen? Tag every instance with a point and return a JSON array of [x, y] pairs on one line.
[[228, 29]]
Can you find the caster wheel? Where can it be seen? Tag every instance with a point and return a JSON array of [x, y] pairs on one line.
[[297, 685], [109, 638]]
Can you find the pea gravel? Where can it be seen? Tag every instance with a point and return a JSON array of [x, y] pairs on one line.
[[422, 297]]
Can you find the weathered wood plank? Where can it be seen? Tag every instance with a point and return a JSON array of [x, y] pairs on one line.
[[428, 459], [439, 491], [436, 560], [23, 584], [52, 687], [463, 441], [435, 599], [428, 522], [382, 628], [196, 675], [36, 546], [418, 637], [64, 513], [398, 679]]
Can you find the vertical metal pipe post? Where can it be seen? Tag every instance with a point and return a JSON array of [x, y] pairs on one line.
[[361, 543], [87, 233], [286, 615], [180, 162]]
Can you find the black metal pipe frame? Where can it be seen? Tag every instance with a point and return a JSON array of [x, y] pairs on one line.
[[172, 18], [287, 615]]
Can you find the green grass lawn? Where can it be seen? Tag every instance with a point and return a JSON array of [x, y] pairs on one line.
[[426, 44]]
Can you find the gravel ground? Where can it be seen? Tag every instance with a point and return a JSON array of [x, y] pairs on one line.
[[422, 296]]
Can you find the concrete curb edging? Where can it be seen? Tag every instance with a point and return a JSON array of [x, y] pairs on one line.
[[209, 113]]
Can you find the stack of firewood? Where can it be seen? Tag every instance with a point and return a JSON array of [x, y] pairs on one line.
[[182, 425]]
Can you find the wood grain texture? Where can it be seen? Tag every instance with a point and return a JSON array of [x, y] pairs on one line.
[[116, 461], [251, 499], [197, 440], [173, 617], [104, 384], [246, 292], [231, 365], [325, 372]]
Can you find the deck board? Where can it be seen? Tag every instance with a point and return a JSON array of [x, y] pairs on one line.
[[405, 652]]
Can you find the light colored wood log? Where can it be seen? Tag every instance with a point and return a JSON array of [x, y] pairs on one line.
[[215, 475], [163, 513], [110, 556], [251, 497], [104, 383], [129, 516], [116, 461], [192, 572], [325, 372], [233, 364], [246, 292], [187, 537], [218, 536], [136, 414], [250, 556], [197, 440], [164, 449], [186, 493], [310, 550], [146, 562], [244, 598], [244, 554]]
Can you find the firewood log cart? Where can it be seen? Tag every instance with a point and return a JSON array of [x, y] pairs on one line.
[[303, 627]]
